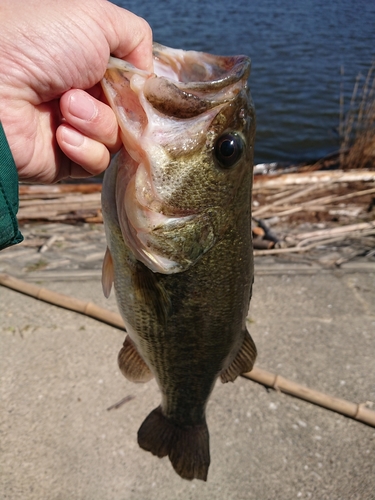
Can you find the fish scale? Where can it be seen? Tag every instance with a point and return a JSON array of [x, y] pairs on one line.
[[177, 215]]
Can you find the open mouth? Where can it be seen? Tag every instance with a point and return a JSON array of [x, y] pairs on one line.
[[162, 116]]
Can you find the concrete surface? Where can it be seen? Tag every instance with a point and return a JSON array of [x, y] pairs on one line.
[[59, 375]]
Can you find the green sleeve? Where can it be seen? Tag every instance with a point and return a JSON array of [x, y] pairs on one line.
[[9, 232]]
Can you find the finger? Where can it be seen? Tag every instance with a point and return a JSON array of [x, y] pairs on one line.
[[91, 117], [141, 57], [91, 155], [130, 37]]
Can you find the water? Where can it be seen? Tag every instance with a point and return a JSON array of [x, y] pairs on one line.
[[297, 50]]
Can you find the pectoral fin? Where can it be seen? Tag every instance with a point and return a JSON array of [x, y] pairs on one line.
[[131, 363], [243, 362], [151, 292], [107, 273]]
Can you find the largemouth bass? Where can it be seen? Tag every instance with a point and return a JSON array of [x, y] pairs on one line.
[[176, 205]]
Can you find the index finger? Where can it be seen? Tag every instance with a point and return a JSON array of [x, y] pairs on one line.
[[130, 37]]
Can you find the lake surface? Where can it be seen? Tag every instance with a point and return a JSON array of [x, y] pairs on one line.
[[297, 49]]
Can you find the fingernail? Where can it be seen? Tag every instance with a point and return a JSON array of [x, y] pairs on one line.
[[82, 106], [72, 137]]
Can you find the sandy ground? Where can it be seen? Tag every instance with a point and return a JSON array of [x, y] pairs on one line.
[[59, 375]]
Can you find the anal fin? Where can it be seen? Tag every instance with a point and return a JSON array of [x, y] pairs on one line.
[[187, 447], [243, 362], [131, 363]]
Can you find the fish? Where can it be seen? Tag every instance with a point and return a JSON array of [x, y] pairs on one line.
[[176, 203]]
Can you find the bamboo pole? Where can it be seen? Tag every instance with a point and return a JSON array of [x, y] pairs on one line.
[[347, 408], [59, 299], [356, 411]]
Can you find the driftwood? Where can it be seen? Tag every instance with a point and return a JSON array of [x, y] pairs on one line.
[[262, 244], [353, 410], [60, 207], [60, 202], [333, 197], [299, 197], [284, 195], [318, 177], [313, 244], [282, 206], [41, 190], [48, 244], [322, 233]]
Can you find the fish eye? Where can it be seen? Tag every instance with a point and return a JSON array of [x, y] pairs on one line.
[[228, 149]]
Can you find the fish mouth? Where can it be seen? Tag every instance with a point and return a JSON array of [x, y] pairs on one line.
[[163, 115], [195, 81], [195, 69], [184, 84]]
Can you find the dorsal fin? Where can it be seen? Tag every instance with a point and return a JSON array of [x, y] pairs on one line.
[[243, 362], [107, 273]]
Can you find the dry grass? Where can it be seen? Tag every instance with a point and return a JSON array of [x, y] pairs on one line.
[[357, 125]]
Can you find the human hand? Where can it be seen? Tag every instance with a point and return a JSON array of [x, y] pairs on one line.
[[53, 55]]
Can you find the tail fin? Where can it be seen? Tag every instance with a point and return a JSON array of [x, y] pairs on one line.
[[187, 447]]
